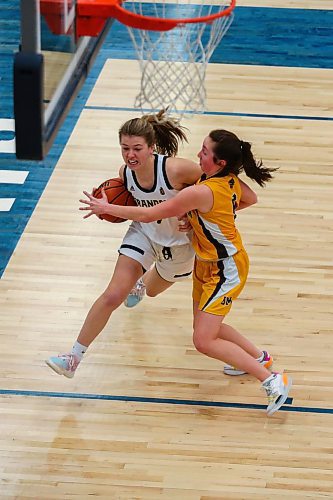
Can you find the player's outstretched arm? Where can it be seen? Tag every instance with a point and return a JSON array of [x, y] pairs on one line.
[[190, 198]]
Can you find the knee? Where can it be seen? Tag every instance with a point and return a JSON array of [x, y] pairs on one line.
[[112, 299], [201, 343]]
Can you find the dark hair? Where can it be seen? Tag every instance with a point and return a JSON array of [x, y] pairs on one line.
[[239, 157], [158, 130]]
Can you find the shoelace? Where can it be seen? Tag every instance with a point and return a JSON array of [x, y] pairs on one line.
[[271, 397], [270, 392], [70, 358], [138, 290]]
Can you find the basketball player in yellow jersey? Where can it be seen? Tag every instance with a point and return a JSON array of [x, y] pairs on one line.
[[221, 262]]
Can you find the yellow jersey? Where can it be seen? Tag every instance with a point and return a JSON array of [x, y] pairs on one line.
[[215, 235]]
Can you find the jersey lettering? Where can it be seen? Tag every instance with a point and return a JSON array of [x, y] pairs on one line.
[[147, 203], [234, 204]]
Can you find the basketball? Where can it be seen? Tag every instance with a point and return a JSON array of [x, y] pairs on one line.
[[117, 194]]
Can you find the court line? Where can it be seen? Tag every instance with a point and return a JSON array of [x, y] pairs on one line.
[[6, 204], [220, 113], [7, 145], [182, 402], [13, 176]]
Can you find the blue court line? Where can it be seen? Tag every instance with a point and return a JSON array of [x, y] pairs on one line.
[[183, 402], [221, 113]]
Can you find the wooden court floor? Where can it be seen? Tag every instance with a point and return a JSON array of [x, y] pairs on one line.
[[146, 416]]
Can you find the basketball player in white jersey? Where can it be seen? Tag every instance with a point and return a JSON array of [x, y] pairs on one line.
[[160, 242], [153, 174]]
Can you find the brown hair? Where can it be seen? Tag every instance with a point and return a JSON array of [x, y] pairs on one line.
[[239, 157], [158, 130]]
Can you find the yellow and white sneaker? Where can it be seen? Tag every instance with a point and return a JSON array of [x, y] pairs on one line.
[[277, 388], [266, 360]]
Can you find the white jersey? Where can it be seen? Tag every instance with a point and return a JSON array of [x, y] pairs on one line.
[[163, 232]]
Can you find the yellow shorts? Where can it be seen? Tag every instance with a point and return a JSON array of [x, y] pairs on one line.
[[217, 284]]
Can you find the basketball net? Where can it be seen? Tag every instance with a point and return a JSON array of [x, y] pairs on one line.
[[173, 63]]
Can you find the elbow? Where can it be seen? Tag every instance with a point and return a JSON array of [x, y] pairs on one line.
[[254, 199], [251, 200]]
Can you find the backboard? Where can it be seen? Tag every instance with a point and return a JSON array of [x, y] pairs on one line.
[[49, 70]]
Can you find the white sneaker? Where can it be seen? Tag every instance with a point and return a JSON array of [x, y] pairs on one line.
[[136, 294], [266, 360], [64, 364], [277, 388]]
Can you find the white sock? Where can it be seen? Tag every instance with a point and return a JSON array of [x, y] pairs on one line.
[[78, 350]]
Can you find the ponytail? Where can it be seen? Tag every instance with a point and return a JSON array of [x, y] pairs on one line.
[[158, 130], [239, 157], [254, 169]]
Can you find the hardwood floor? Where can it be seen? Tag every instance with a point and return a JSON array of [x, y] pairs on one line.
[[147, 416]]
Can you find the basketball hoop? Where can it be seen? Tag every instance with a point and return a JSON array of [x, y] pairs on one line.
[[174, 41]]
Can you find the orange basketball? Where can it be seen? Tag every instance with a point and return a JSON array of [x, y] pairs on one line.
[[117, 194]]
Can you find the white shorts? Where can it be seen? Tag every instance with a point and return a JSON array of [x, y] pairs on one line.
[[172, 263]]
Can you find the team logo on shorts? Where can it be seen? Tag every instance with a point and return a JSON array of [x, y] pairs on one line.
[[162, 191], [166, 252], [226, 301]]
